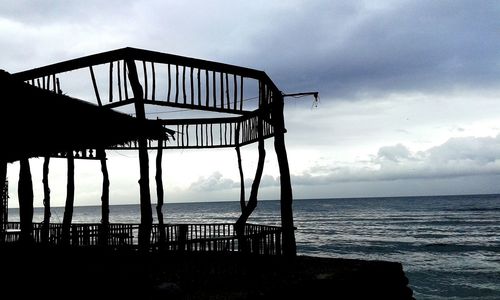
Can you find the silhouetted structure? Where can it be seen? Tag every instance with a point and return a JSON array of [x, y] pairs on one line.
[[4, 208], [251, 109]]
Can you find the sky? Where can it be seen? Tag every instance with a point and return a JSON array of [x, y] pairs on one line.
[[409, 91]]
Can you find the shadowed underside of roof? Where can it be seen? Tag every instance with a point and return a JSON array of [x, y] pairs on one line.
[[36, 122]]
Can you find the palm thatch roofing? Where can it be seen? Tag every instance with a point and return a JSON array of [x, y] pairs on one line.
[[36, 122]]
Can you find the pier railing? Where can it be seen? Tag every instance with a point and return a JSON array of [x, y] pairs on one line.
[[258, 239]]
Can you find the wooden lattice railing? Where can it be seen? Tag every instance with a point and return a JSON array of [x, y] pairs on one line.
[[260, 239], [172, 81]]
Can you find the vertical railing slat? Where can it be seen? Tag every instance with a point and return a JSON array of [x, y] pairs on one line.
[[169, 75], [207, 88], [111, 82], [176, 83], [235, 79], [118, 75], [214, 84], [184, 84], [144, 68], [227, 92], [94, 83], [199, 87], [153, 88], [192, 85]]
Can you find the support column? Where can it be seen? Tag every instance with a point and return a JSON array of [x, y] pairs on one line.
[[46, 201], [3, 199], [240, 168], [70, 199], [25, 191], [286, 198], [160, 193], [146, 211], [104, 232], [252, 200]]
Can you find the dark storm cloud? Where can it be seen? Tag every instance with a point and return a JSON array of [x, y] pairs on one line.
[[340, 48], [350, 49], [40, 13]]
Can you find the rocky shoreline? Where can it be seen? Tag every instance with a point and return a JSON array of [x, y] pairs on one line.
[[55, 273]]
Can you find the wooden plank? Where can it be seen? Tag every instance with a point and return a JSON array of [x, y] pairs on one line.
[[225, 133], [235, 83], [94, 84], [153, 74], [136, 54], [58, 84], [54, 83], [181, 105], [176, 83], [221, 90], [207, 89], [191, 85], [110, 82], [199, 87], [227, 92], [211, 134], [169, 83], [118, 75], [214, 84], [145, 71], [196, 134], [184, 96], [230, 133], [125, 86]]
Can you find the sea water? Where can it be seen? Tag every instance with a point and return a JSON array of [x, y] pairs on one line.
[[449, 245]]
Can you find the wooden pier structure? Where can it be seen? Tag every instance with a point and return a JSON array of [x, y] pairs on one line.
[[38, 111]]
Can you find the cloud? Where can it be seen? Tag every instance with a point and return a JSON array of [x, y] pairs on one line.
[[214, 182], [217, 182], [457, 157], [393, 153], [341, 48], [348, 49]]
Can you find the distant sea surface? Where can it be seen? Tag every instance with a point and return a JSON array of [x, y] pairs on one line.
[[449, 245]]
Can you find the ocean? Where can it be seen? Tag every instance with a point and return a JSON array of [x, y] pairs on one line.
[[449, 245]]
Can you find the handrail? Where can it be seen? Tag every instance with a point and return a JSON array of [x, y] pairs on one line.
[[137, 54], [259, 239]]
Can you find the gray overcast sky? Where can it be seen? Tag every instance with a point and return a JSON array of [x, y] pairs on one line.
[[409, 89]]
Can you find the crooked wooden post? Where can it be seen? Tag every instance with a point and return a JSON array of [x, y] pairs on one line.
[[25, 191], [46, 201], [286, 198], [70, 199], [160, 193], [252, 200], [240, 168], [146, 211], [3, 199], [104, 232]]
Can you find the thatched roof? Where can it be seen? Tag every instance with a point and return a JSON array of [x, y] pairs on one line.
[[36, 122]]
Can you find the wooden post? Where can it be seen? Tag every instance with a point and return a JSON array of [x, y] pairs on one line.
[[286, 198], [104, 198], [252, 200], [240, 168], [146, 211], [25, 191], [70, 199], [46, 201], [3, 199], [159, 193]]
